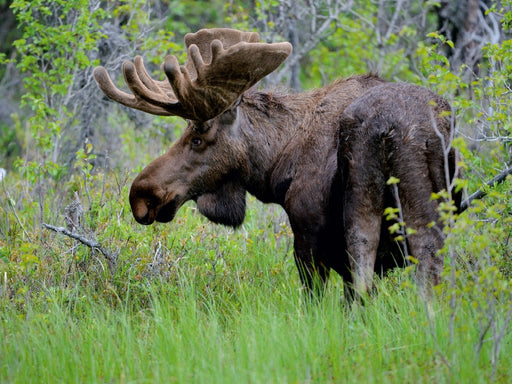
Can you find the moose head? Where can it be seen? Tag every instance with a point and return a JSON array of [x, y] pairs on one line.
[[221, 65], [282, 148]]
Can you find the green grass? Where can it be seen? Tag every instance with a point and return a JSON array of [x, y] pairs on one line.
[[193, 302], [268, 336]]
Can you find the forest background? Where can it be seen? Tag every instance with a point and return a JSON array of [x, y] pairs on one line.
[[190, 301]]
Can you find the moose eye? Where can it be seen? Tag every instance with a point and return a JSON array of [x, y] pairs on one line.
[[196, 141]]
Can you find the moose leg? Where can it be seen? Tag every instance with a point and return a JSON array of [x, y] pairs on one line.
[[313, 273], [420, 215], [362, 216], [362, 234], [424, 245]]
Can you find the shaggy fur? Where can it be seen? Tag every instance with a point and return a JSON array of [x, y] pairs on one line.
[[325, 157]]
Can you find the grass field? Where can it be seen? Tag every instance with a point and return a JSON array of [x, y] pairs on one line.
[[263, 335], [192, 302]]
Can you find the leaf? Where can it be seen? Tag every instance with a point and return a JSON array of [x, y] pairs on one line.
[[392, 180]]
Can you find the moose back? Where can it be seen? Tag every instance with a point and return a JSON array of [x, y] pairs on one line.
[[323, 155]]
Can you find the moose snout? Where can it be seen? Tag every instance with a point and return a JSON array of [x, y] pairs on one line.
[[140, 202], [141, 211], [148, 206]]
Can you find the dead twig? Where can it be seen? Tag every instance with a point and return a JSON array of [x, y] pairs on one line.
[[482, 192], [111, 257]]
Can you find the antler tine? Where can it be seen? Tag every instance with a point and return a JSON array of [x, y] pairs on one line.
[[109, 89], [221, 65], [146, 89], [149, 82], [204, 37]]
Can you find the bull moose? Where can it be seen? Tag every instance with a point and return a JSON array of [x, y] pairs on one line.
[[323, 155]]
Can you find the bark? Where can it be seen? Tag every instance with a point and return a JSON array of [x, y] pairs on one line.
[[468, 25]]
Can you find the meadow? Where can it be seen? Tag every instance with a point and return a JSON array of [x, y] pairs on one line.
[[194, 302]]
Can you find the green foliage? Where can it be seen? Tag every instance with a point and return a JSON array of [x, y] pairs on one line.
[[189, 16], [478, 272], [57, 35], [9, 144], [359, 45], [477, 263], [193, 302]]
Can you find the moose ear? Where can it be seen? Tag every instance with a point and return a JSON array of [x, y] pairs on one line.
[[225, 206]]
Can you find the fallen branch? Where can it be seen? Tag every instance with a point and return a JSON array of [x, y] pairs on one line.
[[111, 258], [482, 192]]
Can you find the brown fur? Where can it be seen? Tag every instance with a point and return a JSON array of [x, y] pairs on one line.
[[327, 168], [394, 130]]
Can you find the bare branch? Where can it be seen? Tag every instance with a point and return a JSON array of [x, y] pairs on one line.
[[111, 257], [482, 192], [322, 23]]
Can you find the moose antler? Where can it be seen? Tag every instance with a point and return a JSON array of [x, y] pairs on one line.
[[221, 65]]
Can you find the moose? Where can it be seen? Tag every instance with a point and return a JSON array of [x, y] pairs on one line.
[[324, 155]]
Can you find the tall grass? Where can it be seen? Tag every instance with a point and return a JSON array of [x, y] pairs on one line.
[[193, 302], [259, 334]]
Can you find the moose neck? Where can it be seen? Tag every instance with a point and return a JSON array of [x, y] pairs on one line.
[[270, 123], [292, 138]]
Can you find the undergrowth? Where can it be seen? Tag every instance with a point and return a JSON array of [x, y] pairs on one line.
[[191, 301]]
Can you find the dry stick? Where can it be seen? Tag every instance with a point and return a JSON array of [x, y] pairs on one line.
[[111, 258], [481, 192]]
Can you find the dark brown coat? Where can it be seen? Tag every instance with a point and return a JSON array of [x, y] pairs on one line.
[[324, 155], [284, 149], [405, 131]]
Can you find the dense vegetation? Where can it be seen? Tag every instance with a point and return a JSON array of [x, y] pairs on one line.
[[190, 301]]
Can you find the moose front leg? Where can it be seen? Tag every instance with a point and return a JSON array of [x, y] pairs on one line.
[[312, 271]]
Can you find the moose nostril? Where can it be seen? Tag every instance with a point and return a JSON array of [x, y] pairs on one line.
[[144, 220], [141, 212]]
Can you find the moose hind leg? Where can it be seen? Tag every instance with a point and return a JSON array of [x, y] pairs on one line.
[[363, 207], [421, 216], [362, 235]]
